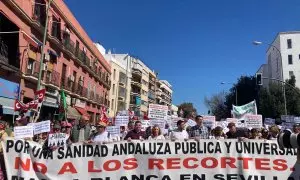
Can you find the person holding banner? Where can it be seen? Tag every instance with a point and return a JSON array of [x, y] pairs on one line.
[[199, 131], [82, 131], [156, 134], [101, 135], [235, 133], [180, 133], [136, 133], [218, 133]]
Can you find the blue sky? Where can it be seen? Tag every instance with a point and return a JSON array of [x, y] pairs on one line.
[[194, 44]]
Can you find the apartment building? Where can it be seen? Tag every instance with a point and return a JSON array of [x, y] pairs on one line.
[[166, 93], [71, 60], [283, 58]]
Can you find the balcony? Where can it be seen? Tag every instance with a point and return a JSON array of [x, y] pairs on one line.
[[3, 52], [33, 68], [151, 95], [136, 72], [135, 83], [39, 13], [53, 78], [122, 92], [70, 46], [151, 81], [67, 84]]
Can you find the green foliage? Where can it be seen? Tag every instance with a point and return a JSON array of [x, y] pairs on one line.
[[216, 104], [188, 109]]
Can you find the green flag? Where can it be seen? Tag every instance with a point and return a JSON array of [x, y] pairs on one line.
[[63, 105]]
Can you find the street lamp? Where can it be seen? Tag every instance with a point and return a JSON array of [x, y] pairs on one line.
[[257, 43], [236, 98]]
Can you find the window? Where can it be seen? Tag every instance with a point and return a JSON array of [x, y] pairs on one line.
[[290, 57], [114, 74], [113, 89], [289, 43], [291, 73], [112, 104]]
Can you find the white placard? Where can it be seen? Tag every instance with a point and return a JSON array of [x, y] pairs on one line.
[[269, 121], [41, 127], [114, 131], [209, 121], [121, 120], [23, 132], [145, 124], [159, 122], [158, 111], [232, 120], [253, 121], [57, 139], [287, 118], [297, 120], [223, 124], [191, 122]]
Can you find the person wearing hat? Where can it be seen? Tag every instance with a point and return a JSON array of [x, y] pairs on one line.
[[296, 128], [101, 135], [180, 133], [218, 133], [235, 133], [82, 131]]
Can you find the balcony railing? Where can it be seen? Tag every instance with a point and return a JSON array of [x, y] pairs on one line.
[[53, 78], [33, 68], [3, 52], [151, 95], [39, 14], [136, 72], [70, 45], [67, 84]]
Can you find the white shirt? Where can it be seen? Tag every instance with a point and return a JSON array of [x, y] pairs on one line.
[[103, 137], [160, 137], [179, 135]]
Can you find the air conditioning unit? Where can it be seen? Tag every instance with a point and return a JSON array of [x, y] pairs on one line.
[[47, 57], [44, 67], [71, 78]]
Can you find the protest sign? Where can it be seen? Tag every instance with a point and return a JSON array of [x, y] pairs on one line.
[[121, 120], [57, 139], [223, 124], [253, 121], [240, 112], [287, 118], [114, 131], [41, 127], [145, 124], [297, 120], [191, 122], [23, 132], [159, 122], [158, 111], [209, 121], [206, 159], [269, 121]]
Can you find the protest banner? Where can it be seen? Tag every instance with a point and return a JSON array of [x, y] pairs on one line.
[[253, 121], [269, 122], [158, 111], [152, 160], [209, 121], [114, 131], [121, 120], [23, 132], [41, 127], [240, 112], [57, 139], [161, 123], [145, 124]]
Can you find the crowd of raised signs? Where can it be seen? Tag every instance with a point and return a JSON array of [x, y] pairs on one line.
[[56, 134]]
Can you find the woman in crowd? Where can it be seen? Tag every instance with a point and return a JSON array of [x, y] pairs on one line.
[[218, 133], [264, 133], [255, 134], [156, 133], [273, 132], [101, 135]]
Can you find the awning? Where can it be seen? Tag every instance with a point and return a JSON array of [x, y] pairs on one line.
[[52, 53], [82, 111], [72, 113], [32, 40]]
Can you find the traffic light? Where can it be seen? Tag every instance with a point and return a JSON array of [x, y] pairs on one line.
[[259, 79]]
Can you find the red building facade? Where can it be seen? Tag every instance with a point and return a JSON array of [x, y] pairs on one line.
[[71, 61]]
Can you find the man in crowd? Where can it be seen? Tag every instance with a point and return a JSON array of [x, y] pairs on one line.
[[199, 131], [296, 128], [136, 133], [82, 131], [179, 133], [235, 133]]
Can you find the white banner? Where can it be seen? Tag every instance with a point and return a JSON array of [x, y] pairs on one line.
[[152, 160], [253, 121], [23, 132], [121, 120], [159, 122], [158, 111], [239, 112], [41, 127]]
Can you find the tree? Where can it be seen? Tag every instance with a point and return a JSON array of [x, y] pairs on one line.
[[292, 97], [247, 91], [188, 109], [216, 105]]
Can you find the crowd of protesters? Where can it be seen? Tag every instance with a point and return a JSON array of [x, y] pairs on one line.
[[89, 133]]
